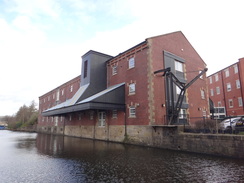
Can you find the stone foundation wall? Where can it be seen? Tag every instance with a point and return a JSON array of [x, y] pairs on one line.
[[162, 137]]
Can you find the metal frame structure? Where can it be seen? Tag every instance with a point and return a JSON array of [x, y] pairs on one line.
[[173, 108]]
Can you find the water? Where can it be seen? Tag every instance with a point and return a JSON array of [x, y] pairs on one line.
[[31, 157]]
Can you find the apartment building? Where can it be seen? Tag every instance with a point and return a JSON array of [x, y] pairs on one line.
[[226, 90]]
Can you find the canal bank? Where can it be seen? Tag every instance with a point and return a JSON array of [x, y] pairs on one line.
[[166, 137]]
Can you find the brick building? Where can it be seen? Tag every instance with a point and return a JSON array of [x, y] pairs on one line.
[[118, 97], [226, 90]]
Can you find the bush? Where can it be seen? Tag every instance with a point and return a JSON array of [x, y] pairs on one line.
[[207, 125]]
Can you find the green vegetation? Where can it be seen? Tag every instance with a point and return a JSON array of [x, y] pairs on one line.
[[26, 117]]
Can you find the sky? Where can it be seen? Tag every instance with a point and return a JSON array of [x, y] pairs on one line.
[[42, 41]]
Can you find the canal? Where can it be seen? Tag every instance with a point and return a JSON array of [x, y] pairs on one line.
[[42, 158]]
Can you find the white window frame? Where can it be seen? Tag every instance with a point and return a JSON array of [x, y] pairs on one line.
[[228, 87], [91, 115], [56, 121], [217, 90], [132, 88], [182, 114], [238, 84], [114, 69], [71, 88], [231, 102], [204, 113], [216, 77], [101, 118], [131, 63], [240, 102], [132, 112], [58, 95], [178, 66], [227, 73], [62, 92], [210, 80], [211, 92], [235, 69], [114, 114], [202, 94]]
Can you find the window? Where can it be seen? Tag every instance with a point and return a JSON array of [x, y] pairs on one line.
[[227, 73], [48, 98], [131, 62], [132, 88], [56, 121], [228, 86], [91, 115], [240, 101], [114, 114], [57, 96], [85, 69], [114, 69], [204, 113], [216, 77], [211, 92], [132, 112], [178, 66], [201, 77], [238, 85], [62, 93], [217, 90], [182, 114], [70, 117], [210, 80], [79, 116], [230, 103], [71, 88], [101, 119], [235, 69], [202, 94]]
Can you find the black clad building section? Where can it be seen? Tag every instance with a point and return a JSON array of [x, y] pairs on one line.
[[93, 93]]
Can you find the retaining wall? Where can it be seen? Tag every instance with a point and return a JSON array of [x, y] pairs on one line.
[[167, 137]]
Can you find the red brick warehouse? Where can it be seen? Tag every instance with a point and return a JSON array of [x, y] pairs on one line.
[[121, 95]]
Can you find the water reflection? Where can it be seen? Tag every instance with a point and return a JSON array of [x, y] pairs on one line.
[[43, 158], [98, 161]]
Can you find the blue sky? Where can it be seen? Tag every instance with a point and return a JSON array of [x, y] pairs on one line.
[[41, 41]]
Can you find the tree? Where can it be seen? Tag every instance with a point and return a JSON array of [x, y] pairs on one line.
[[26, 116]]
